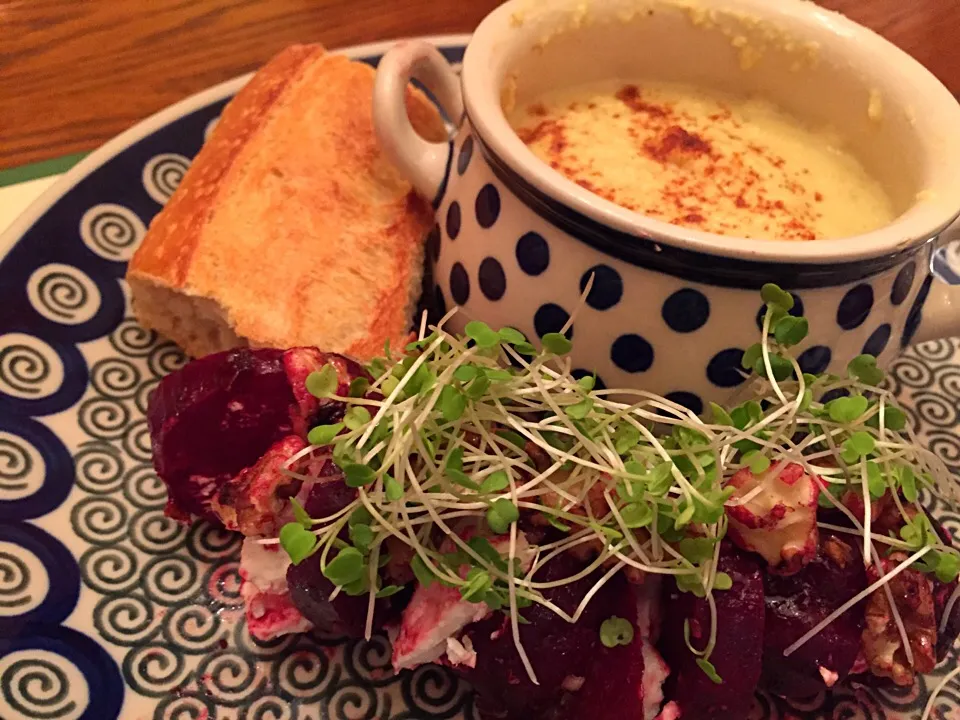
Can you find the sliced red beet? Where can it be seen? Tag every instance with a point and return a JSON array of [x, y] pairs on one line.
[[213, 418], [556, 649], [344, 615], [614, 688], [738, 653], [795, 604]]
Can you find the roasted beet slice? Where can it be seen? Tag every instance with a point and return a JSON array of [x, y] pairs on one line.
[[556, 649], [614, 687], [796, 604], [345, 614], [738, 654], [213, 418]]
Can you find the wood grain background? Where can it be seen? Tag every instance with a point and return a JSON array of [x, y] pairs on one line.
[[73, 73]]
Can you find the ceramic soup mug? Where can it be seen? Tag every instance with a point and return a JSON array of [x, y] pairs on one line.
[[672, 309]]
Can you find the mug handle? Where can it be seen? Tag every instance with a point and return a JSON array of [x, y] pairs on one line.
[[423, 162], [940, 317]]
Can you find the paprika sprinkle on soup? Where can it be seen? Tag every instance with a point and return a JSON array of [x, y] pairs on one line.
[[709, 161]]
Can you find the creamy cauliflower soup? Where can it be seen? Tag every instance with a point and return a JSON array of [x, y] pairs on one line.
[[705, 160]]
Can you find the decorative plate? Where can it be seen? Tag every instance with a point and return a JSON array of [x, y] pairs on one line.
[[108, 609]]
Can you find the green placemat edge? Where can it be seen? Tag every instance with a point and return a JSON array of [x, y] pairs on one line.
[[44, 168]]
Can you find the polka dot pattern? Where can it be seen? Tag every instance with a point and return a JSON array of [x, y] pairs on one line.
[[903, 283], [855, 307], [453, 220], [433, 243], [689, 400], [493, 281], [551, 318], [459, 284], [686, 310], [815, 360], [724, 369], [632, 353], [916, 313], [465, 154], [607, 288], [877, 342], [533, 253], [487, 206]]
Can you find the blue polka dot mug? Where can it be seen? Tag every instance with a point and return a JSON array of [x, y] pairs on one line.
[[671, 309]]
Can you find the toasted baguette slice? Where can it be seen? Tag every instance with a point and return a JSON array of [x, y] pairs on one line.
[[290, 227]]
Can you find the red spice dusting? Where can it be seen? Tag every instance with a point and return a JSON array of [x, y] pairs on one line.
[[629, 95], [712, 184], [676, 143]]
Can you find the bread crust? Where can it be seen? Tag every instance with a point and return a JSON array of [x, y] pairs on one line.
[[290, 227]]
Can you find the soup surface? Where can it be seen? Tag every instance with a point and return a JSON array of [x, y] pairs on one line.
[[715, 162]]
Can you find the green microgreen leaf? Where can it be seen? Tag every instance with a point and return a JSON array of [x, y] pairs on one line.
[[773, 294], [512, 336], [948, 567], [587, 382], [477, 585], [458, 477], [781, 367], [452, 403], [323, 383], [751, 355], [697, 549], [482, 547], [324, 434], [514, 438], [392, 488], [637, 515], [660, 479], [756, 461], [360, 516], [685, 516], [720, 416], [357, 475], [791, 330], [298, 542], [722, 581], [495, 482], [525, 348], [466, 373], [862, 443], [908, 483], [361, 536], [847, 409], [358, 387], [301, 515], [616, 631], [478, 388], [556, 343], [501, 515], [580, 410], [555, 522], [347, 567], [420, 571], [709, 670], [864, 368], [389, 590], [625, 438], [356, 417], [876, 484], [481, 334]]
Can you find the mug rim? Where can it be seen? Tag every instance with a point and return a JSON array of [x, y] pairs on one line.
[[936, 108]]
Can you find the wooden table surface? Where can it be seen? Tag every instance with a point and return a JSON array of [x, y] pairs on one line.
[[73, 73]]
